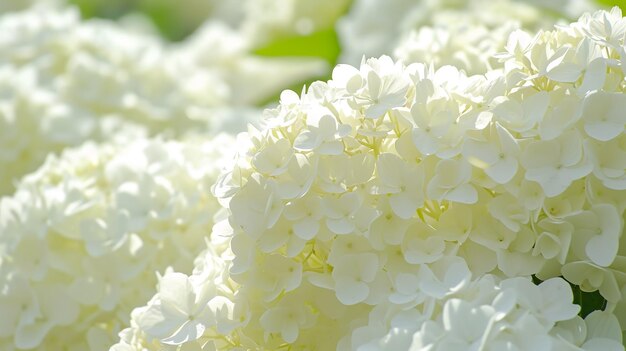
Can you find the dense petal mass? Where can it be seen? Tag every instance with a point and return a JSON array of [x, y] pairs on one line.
[[465, 34], [401, 205], [83, 236], [98, 80], [429, 200]]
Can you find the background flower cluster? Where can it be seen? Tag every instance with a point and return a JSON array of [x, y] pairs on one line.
[[456, 182]]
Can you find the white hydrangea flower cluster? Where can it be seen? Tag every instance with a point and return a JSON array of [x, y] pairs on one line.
[[64, 82], [95, 80], [445, 32], [193, 309], [430, 196], [100, 68], [509, 314], [82, 237], [463, 42], [34, 123], [513, 314]]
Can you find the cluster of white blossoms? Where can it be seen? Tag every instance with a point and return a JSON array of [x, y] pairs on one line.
[[187, 308], [406, 207], [513, 314], [465, 34], [205, 311], [64, 81], [82, 237], [99, 68]]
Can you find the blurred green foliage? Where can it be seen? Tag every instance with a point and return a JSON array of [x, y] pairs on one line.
[[173, 21], [323, 44], [620, 3]]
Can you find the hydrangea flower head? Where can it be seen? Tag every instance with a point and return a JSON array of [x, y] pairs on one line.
[[393, 203], [95, 80], [82, 238], [465, 34]]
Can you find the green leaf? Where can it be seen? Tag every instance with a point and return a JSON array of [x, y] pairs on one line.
[[588, 301], [620, 3], [323, 44]]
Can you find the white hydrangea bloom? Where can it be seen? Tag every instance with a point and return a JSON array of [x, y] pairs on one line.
[[488, 313], [88, 81], [492, 314], [186, 307], [466, 45], [136, 77], [82, 237], [95, 80], [34, 123], [444, 32], [382, 203]]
